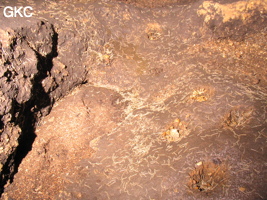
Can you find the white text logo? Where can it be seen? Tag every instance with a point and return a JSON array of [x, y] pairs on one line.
[[20, 11]]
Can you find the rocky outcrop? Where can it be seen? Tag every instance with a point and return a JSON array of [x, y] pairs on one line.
[[234, 20], [26, 59], [37, 67]]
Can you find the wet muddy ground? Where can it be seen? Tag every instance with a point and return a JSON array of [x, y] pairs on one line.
[[174, 106]]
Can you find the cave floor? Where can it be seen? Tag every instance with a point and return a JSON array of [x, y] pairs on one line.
[[167, 113]]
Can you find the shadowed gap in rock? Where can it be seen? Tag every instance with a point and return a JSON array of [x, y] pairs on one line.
[[29, 114]]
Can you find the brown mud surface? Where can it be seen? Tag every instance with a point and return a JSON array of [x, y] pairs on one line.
[[173, 106]]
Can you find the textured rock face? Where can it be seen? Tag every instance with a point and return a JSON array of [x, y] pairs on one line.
[[24, 54], [183, 82], [234, 20], [31, 80], [153, 3], [37, 67]]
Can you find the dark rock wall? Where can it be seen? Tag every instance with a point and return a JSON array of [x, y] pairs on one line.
[[26, 58], [38, 66]]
